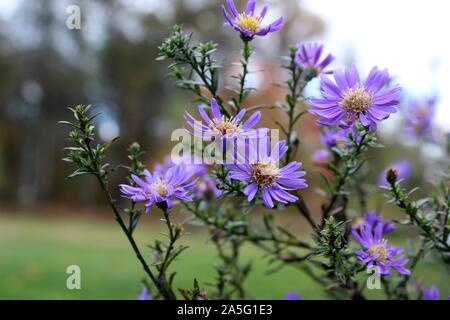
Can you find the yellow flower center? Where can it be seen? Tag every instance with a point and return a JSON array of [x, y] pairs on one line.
[[264, 173], [248, 23], [356, 100], [380, 250], [226, 126], [160, 188]]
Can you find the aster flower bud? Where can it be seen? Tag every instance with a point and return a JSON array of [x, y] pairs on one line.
[[392, 175], [203, 295]]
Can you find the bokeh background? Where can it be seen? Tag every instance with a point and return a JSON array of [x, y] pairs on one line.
[[48, 223]]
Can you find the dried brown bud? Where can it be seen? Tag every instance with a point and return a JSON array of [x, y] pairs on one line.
[[203, 295], [392, 175]]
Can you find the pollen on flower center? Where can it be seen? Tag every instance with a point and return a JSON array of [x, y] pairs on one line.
[[356, 100], [264, 173], [160, 188], [248, 23], [380, 251], [226, 126]]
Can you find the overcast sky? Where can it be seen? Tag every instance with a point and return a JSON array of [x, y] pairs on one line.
[[409, 37]]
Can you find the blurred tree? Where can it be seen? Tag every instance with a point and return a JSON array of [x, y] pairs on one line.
[[110, 63]]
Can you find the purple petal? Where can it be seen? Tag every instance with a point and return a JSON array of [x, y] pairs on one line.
[[352, 76], [250, 9], [279, 150], [252, 121], [264, 11], [232, 7], [204, 114], [330, 87], [240, 115], [230, 20], [216, 109], [250, 191], [267, 198], [341, 81]]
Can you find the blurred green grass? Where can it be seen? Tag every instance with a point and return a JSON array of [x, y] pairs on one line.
[[35, 252]]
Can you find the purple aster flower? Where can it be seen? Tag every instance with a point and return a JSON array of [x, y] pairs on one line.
[[204, 187], [160, 188], [332, 137], [249, 24], [348, 99], [419, 118], [262, 173], [308, 57], [372, 220], [431, 293], [377, 252], [292, 295], [144, 295], [403, 169], [321, 156], [220, 126]]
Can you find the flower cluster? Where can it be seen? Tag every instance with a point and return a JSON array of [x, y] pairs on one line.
[[262, 171]]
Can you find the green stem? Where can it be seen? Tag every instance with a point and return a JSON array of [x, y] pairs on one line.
[[412, 213], [165, 263], [303, 209], [207, 82], [102, 179], [295, 89], [258, 240], [342, 179], [414, 260], [246, 54]]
